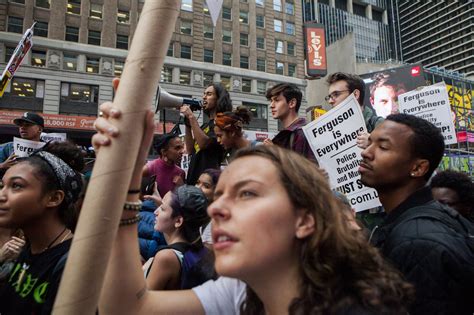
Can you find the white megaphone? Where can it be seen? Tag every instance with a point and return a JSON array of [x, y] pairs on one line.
[[167, 100]]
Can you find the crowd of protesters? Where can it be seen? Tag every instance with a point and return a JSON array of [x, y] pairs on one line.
[[251, 228]]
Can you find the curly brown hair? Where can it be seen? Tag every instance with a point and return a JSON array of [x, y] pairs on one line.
[[340, 270]]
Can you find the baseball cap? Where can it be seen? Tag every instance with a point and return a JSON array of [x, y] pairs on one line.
[[30, 117]]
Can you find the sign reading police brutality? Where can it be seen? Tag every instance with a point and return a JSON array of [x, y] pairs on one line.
[[333, 138], [432, 104], [24, 148]]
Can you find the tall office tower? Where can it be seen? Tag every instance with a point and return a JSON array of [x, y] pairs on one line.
[[368, 20], [436, 33], [80, 45]]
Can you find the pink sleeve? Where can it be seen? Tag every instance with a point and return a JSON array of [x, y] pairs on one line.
[[151, 166]]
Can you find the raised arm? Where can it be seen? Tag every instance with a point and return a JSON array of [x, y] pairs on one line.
[[125, 290], [197, 135]]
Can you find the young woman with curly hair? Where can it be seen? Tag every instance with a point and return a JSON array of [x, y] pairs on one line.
[[281, 246]]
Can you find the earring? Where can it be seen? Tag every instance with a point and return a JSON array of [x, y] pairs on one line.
[[412, 174]]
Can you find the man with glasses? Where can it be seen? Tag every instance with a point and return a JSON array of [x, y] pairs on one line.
[[341, 85], [30, 127]]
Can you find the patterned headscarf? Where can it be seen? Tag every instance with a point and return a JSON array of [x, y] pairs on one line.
[[229, 121], [69, 181]]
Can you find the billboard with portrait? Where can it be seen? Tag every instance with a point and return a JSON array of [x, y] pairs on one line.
[[382, 88]]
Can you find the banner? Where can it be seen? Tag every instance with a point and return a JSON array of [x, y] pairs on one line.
[[17, 57], [259, 136], [315, 48], [24, 148], [214, 9], [432, 104], [333, 138], [382, 88]]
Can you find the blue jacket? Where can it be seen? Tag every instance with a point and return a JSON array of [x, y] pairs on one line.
[[149, 239]]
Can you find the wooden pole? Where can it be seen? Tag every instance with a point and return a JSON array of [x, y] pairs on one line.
[[83, 276]]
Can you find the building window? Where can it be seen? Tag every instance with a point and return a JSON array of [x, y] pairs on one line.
[[277, 5], [279, 67], [278, 25], [260, 3], [290, 7], [292, 70], [72, 34], [244, 17], [290, 28], [167, 75], [170, 52], [92, 65], [225, 81], [187, 5], [278, 46], [123, 17], [41, 29], [79, 99], [186, 27], [185, 77], [208, 79], [94, 38], [261, 65], [244, 62], [9, 53], [359, 10], [15, 24], [69, 62], [96, 11], [205, 9], [27, 88], [226, 13], [208, 55], [259, 114], [185, 52], [377, 15], [260, 42], [246, 85], [227, 59], [261, 87], [74, 6], [122, 41], [18, 1], [38, 58], [43, 3], [290, 49], [227, 36], [260, 21], [244, 39], [208, 31], [118, 67], [24, 94]]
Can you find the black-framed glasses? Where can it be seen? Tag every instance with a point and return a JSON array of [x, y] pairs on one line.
[[334, 95]]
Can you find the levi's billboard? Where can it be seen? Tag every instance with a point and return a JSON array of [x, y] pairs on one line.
[[315, 49]]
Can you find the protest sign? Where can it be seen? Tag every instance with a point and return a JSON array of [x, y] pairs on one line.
[[214, 8], [432, 104], [14, 63], [333, 138], [24, 148], [57, 136]]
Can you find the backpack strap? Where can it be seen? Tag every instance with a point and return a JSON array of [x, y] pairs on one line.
[[455, 221]]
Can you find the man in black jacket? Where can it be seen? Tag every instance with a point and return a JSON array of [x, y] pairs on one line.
[[431, 244]]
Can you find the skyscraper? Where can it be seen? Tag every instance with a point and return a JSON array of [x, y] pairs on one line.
[[436, 33]]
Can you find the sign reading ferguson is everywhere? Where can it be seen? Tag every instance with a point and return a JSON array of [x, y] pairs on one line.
[[332, 138], [432, 104]]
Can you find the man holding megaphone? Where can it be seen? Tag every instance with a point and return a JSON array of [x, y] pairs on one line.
[[201, 141]]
